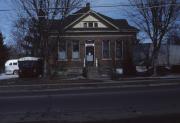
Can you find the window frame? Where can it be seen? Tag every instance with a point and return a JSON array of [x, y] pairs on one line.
[[72, 46], [120, 49], [95, 24], [59, 59], [92, 24], [109, 52], [86, 24]]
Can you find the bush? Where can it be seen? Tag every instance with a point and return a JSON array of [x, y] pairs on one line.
[[84, 72]]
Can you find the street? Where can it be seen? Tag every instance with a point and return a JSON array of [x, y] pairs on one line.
[[91, 104]]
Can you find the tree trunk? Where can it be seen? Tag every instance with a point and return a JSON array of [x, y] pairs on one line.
[[45, 73], [155, 62]]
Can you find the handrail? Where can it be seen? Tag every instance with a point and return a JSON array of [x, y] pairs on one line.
[[96, 62], [84, 65]]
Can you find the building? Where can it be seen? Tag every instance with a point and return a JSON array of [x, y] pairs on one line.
[[88, 39]]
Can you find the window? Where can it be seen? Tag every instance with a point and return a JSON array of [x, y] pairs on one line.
[[96, 24], [62, 55], [85, 25], [15, 63], [90, 24], [10, 63], [106, 49], [118, 49], [75, 49]]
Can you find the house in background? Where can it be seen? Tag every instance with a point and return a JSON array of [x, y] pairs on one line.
[[88, 39]]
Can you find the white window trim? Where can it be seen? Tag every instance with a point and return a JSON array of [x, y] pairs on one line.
[[66, 59], [93, 22], [109, 50], [75, 59], [85, 23]]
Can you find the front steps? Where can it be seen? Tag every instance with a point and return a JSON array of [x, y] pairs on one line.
[[94, 73]]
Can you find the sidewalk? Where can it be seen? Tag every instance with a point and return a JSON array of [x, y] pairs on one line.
[[171, 76], [17, 85]]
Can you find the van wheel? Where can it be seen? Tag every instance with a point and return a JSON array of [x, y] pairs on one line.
[[15, 72]]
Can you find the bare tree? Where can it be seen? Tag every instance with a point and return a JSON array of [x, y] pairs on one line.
[[4, 52], [155, 18], [39, 13]]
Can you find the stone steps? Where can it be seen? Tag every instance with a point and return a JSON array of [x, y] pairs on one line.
[[94, 73]]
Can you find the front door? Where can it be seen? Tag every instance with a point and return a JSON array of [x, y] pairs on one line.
[[90, 55]]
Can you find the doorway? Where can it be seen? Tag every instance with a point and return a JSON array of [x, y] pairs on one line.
[[90, 55]]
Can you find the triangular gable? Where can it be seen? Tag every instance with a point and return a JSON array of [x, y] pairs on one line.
[[92, 19], [91, 16]]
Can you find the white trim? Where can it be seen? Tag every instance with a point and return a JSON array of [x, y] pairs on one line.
[[62, 60], [89, 13], [91, 45], [106, 59], [77, 31], [105, 20], [77, 19], [76, 60], [96, 30]]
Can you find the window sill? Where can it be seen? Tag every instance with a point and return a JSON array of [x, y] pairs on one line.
[[106, 59], [118, 59], [76, 59], [62, 60]]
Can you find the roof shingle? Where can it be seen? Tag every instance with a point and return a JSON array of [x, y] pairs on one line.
[[60, 24]]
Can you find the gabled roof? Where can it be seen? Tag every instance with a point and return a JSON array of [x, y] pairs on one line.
[[69, 19], [117, 23], [120, 23]]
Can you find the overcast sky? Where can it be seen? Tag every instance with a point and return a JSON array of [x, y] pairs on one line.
[[7, 17]]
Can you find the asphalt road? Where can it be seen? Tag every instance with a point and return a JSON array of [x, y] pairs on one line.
[[91, 104]]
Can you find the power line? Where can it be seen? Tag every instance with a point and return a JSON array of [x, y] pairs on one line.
[[104, 6]]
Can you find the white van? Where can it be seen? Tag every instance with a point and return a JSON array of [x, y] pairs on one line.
[[11, 66]]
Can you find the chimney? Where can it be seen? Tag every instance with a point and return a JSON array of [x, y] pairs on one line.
[[88, 5]]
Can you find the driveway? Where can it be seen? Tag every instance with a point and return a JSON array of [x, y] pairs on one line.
[[3, 76]]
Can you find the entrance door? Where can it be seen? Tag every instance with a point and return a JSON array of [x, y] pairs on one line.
[[89, 55]]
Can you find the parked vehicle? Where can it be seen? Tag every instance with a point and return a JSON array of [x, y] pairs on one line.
[[30, 67], [11, 66]]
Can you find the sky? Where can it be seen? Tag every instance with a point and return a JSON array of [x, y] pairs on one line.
[[7, 18]]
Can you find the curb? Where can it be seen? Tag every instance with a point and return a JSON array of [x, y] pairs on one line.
[[148, 78], [78, 86]]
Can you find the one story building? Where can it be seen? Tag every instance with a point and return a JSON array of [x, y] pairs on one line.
[[88, 39]]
